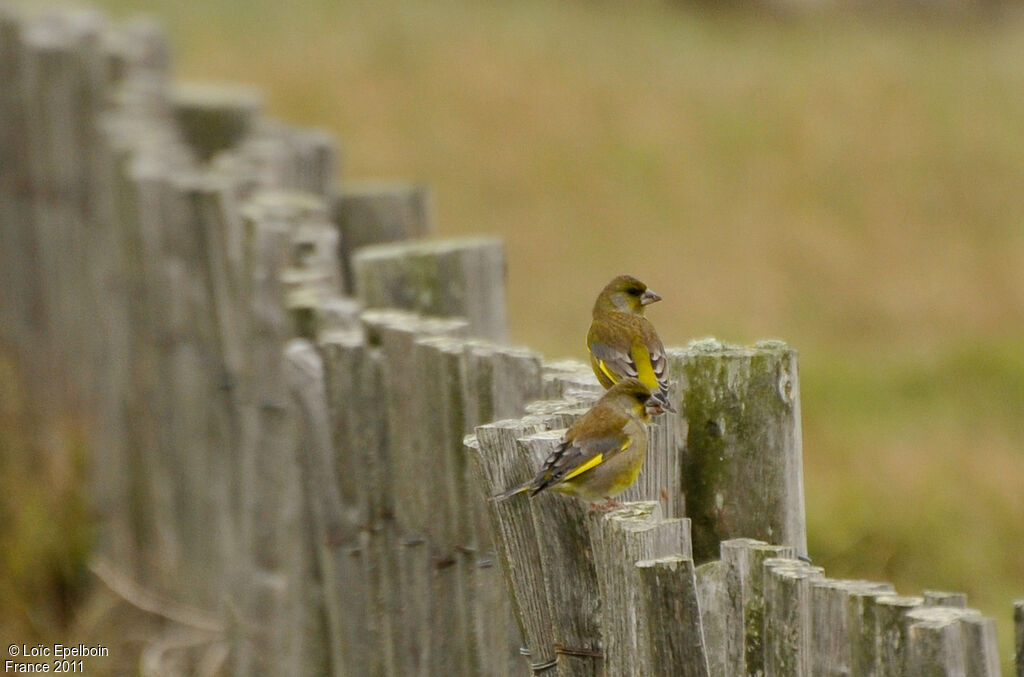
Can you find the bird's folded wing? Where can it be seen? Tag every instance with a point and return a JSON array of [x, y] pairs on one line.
[[577, 457], [615, 363]]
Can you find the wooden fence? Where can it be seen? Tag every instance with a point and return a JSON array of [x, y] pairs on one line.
[[282, 375]]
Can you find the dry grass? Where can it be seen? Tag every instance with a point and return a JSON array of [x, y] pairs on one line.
[[852, 185]]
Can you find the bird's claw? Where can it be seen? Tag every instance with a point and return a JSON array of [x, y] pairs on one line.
[[606, 505]]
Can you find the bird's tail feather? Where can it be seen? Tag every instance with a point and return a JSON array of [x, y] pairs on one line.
[[509, 493], [659, 403]]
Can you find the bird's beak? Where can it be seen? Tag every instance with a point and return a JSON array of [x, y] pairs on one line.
[[648, 298]]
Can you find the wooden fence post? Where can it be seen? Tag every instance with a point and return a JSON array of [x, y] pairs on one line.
[[950, 641], [744, 560], [891, 633], [563, 377], [269, 154], [406, 502], [1018, 633], [449, 278], [500, 462], [449, 530], [354, 384], [498, 384], [833, 630], [939, 598], [304, 371], [570, 578], [935, 646], [742, 470], [863, 630], [214, 117], [278, 603], [787, 617], [711, 594], [620, 539], [981, 645], [369, 213], [20, 305], [62, 95], [671, 638]]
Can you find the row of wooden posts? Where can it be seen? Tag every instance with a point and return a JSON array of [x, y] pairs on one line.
[[281, 375]]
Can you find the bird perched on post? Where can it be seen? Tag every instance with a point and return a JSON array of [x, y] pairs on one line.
[[623, 343], [602, 453]]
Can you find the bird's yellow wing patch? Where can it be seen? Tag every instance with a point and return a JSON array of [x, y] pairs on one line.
[[644, 368], [593, 462], [607, 372]]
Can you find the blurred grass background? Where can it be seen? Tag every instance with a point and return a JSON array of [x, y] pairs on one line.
[[852, 183]]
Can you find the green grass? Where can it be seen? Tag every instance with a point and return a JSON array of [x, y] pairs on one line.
[[849, 184], [45, 532]]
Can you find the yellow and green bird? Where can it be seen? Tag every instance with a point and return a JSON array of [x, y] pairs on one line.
[[623, 343], [601, 455]]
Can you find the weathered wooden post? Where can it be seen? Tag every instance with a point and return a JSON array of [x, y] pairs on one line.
[[369, 213], [304, 372], [671, 638], [446, 278], [571, 587], [891, 633], [935, 643], [499, 463], [308, 280], [833, 631], [742, 461], [497, 385], [354, 386], [20, 305], [787, 617], [744, 573], [449, 532], [862, 629], [270, 154], [946, 640], [569, 376], [62, 92], [619, 540], [281, 626], [941, 598], [406, 509], [1018, 633], [214, 117], [714, 606], [981, 644]]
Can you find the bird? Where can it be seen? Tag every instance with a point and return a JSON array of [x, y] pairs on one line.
[[623, 342], [601, 454]]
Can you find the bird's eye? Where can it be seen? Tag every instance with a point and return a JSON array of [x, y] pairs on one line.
[[635, 291]]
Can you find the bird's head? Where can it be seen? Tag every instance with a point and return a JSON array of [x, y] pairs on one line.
[[625, 294], [632, 395]]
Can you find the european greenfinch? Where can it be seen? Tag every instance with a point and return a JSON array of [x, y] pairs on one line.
[[602, 453], [623, 343]]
